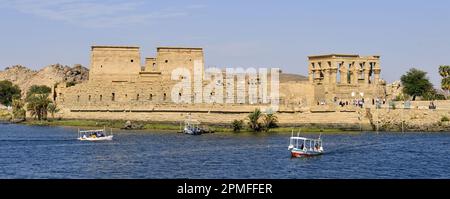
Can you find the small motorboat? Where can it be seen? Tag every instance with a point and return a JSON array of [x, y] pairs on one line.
[[305, 147], [94, 135], [191, 127]]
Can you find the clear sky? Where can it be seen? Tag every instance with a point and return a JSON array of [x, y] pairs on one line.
[[244, 33]]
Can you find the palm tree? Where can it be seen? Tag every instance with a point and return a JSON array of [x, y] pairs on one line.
[[444, 71], [38, 100], [270, 121], [52, 108], [253, 120], [38, 105], [17, 103], [18, 111]]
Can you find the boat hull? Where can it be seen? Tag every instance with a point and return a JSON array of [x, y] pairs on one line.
[[298, 154], [106, 138], [192, 131]]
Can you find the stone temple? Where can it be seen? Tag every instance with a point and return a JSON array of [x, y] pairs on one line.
[[345, 77], [120, 86]]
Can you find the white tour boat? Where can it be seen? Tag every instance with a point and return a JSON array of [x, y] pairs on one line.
[[94, 135], [305, 147]]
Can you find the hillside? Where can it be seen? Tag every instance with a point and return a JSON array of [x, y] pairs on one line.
[[49, 75], [286, 77]]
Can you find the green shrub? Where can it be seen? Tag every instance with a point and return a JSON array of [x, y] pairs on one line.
[[392, 105], [401, 97], [237, 125], [433, 95], [69, 84], [8, 91]]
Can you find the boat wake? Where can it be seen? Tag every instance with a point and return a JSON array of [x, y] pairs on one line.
[[360, 147], [36, 140]]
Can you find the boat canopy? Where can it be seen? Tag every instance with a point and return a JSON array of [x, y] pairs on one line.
[[306, 143], [305, 139], [90, 132], [93, 131], [300, 146]]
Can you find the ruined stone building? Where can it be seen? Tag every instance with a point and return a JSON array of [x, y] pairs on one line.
[[120, 86], [345, 77], [118, 78]]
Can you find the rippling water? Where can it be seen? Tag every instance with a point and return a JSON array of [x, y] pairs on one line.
[[54, 152]]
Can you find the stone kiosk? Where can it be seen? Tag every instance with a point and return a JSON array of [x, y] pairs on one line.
[[345, 77]]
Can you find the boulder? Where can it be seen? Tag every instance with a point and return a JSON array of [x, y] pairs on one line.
[[132, 126]]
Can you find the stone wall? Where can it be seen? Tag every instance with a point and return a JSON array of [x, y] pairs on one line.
[[297, 94], [222, 116], [114, 63], [412, 119], [171, 58]]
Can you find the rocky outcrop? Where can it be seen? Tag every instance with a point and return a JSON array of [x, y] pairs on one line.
[[49, 75], [132, 126], [5, 115], [394, 90]]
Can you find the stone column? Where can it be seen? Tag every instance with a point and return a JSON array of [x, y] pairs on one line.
[[321, 70], [326, 72], [317, 70], [333, 76], [354, 74], [333, 72], [310, 72], [367, 72], [344, 73], [376, 72]]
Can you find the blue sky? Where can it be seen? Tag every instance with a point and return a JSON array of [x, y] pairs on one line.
[[251, 33]]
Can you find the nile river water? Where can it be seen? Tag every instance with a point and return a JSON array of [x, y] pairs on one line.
[[54, 152]]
